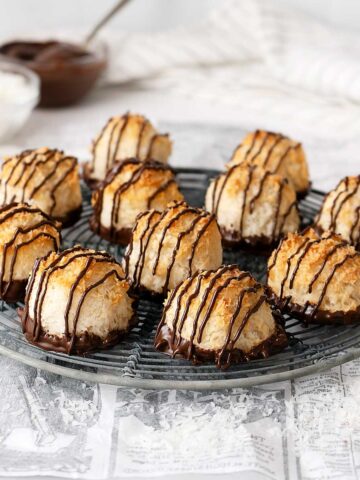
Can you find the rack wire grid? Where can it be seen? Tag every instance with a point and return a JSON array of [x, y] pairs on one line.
[[135, 363]]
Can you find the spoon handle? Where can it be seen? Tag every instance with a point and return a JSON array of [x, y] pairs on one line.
[[104, 20]]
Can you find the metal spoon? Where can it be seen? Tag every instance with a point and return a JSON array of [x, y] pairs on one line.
[[104, 20]]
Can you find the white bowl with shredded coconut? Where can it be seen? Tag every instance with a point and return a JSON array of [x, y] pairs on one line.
[[19, 94]]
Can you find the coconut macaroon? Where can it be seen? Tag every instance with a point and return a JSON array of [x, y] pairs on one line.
[[46, 178], [125, 137], [26, 234], [252, 206], [222, 315], [130, 188], [276, 153], [77, 301], [316, 278], [167, 247], [340, 212]]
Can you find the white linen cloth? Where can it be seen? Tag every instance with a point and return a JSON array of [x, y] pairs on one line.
[[295, 49], [277, 64]]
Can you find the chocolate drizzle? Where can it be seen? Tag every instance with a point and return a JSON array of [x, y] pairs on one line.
[[170, 340], [84, 343], [356, 241], [111, 158], [254, 151], [310, 312], [117, 126], [13, 289], [115, 233], [29, 162], [248, 206], [340, 200], [71, 342], [157, 222]]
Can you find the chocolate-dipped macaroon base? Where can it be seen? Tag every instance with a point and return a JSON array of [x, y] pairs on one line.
[[13, 291], [256, 244], [173, 345], [92, 183], [310, 313], [120, 237], [78, 345], [71, 218]]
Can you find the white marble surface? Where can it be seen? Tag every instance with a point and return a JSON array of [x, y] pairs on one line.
[[72, 129]]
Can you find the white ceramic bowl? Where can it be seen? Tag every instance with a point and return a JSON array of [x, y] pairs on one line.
[[19, 95]]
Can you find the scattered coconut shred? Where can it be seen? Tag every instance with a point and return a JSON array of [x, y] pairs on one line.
[[305, 429], [317, 416]]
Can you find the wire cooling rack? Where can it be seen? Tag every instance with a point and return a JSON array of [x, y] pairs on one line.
[[135, 363]]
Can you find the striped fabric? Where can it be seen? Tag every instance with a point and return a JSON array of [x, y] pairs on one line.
[[286, 70]]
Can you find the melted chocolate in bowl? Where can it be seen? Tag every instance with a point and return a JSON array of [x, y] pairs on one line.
[[67, 71]]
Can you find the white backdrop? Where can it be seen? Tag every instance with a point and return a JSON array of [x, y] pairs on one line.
[[145, 15]]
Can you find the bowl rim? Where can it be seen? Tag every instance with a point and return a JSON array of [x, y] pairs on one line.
[[97, 46]]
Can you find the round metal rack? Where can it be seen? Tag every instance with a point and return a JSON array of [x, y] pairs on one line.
[[135, 362]]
